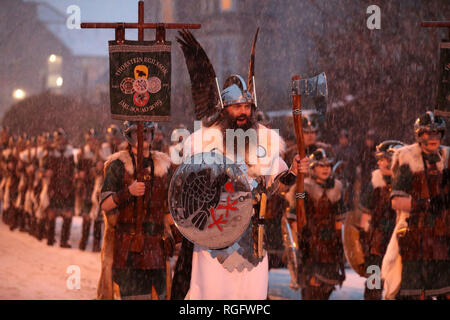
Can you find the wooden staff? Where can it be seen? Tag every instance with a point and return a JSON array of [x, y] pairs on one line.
[[262, 215], [300, 191], [137, 243], [138, 239]]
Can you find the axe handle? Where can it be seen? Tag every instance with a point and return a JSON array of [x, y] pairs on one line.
[[296, 113], [262, 215]]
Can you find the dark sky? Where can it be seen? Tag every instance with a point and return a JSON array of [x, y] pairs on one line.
[[93, 42]]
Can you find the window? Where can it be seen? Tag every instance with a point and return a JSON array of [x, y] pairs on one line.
[[226, 5]]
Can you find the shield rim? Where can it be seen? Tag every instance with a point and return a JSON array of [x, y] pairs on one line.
[[349, 223], [171, 209]]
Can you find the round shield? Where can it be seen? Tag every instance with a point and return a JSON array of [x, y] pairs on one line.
[[210, 200], [352, 242]]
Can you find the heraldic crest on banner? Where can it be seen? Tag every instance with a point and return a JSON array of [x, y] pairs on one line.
[[140, 75]]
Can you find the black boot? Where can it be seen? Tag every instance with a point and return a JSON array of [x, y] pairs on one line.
[[40, 233], [85, 233], [33, 226], [14, 219], [65, 233], [51, 232], [5, 216], [97, 235], [24, 221]]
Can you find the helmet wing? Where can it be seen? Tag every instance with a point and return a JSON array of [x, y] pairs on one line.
[[202, 74]]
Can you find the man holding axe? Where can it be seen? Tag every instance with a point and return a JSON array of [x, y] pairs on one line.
[[322, 195]]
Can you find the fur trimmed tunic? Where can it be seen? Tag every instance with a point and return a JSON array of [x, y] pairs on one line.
[[376, 202], [199, 276], [321, 244], [61, 189], [121, 222], [423, 242]]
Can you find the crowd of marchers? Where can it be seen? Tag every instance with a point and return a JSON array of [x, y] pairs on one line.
[[45, 177], [399, 191], [398, 198]]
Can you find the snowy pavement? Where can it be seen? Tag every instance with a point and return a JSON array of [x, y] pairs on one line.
[[352, 288], [29, 269]]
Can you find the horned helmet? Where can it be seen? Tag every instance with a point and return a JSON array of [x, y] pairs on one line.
[[310, 121], [131, 126], [386, 149], [321, 157], [428, 123]]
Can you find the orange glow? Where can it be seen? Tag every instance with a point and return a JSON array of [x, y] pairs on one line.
[[226, 5]]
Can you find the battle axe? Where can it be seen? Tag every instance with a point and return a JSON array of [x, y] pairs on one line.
[[315, 87]]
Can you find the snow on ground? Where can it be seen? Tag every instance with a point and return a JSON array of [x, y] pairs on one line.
[[29, 269], [352, 288]]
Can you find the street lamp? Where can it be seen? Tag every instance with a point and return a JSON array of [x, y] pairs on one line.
[[19, 94], [52, 58], [59, 81]]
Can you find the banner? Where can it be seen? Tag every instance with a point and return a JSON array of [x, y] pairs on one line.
[[140, 75], [443, 97]]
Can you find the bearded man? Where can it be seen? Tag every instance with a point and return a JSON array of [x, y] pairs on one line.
[[233, 272]]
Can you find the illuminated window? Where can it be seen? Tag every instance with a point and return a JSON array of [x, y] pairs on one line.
[[226, 5]]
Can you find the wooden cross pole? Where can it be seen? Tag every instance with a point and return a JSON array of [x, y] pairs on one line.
[[441, 108], [437, 24], [120, 28], [120, 37]]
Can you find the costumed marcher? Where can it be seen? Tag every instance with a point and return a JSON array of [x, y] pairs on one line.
[[32, 201], [417, 261], [347, 155], [159, 143], [59, 164], [320, 240], [113, 143], [10, 159], [18, 218], [378, 218], [277, 205], [45, 147], [30, 160], [85, 181], [311, 133], [367, 161], [233, 272], [135, 261]]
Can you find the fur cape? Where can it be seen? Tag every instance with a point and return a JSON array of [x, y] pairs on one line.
[[391, 269], [315, 191], [412, 156], [269, 164], [269, 147], [377, 179], [161, 162], [107, 289]]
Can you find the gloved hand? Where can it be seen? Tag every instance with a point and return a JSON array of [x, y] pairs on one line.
[[168, 244]]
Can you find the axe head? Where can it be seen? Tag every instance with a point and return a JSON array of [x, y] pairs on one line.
[[314, 88]]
